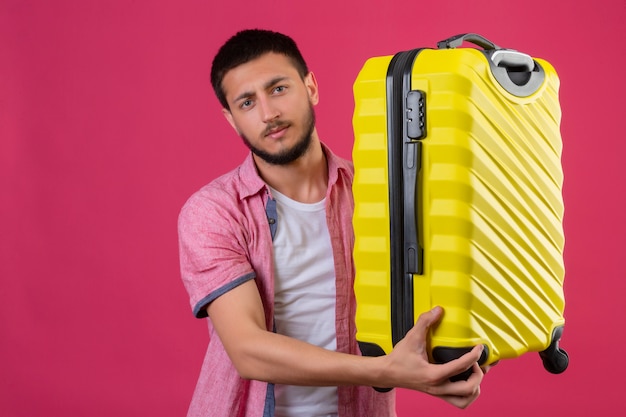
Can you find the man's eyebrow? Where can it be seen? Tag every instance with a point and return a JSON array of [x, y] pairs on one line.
[[267, 85], [274, 81]]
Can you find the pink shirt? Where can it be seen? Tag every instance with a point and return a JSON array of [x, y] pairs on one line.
[[225, 237]]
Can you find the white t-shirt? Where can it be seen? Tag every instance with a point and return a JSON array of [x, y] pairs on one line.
[[304, 297]]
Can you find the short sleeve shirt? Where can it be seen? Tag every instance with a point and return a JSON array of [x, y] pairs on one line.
[[225, 239]]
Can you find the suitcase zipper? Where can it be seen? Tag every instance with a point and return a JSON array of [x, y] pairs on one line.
[[406, 125]]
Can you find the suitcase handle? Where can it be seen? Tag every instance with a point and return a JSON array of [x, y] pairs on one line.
[[501, 57], [476, 39]]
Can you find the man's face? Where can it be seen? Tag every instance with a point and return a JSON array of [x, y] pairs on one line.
[[271, 107]]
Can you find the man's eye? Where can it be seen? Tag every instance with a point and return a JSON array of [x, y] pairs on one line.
[[246, 103], [280, 89]]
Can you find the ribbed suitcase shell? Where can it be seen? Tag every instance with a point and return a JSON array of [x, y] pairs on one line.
[[489, 204]]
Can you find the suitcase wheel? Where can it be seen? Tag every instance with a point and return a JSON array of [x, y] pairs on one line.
[[555, 359], [556, 363]]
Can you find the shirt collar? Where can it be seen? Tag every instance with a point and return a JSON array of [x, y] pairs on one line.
[[252, 183]]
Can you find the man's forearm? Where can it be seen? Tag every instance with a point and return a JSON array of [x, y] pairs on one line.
[[279, 359]]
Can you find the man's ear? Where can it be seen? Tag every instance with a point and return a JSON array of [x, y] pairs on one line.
[[228, 115], [311, 85]]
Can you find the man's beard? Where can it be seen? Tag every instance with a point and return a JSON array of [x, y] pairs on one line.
[[286, 156]]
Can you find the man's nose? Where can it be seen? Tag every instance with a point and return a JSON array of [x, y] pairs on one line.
[[269, 112]]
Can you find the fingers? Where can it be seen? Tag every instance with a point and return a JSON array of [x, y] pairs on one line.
[[424, 322], [488, 367], [457, 366], [428, 318], [432, 316], [462, 393], [418, 335], [462, 402]]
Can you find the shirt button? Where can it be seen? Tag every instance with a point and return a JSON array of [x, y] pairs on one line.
[[271, 221]]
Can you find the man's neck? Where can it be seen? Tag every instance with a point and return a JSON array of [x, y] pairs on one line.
[[304, 180]]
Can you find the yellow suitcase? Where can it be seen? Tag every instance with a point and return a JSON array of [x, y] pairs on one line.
[[458, 201]]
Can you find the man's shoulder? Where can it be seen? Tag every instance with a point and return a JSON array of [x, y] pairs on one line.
[[224, 187], [221, 197], [233, 185]]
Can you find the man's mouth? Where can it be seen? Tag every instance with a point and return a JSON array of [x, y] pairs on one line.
[[276, 131]]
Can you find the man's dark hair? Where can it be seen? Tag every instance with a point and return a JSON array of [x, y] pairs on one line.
[[248, 45]]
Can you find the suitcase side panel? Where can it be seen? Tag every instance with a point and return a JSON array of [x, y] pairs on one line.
[[492, 195], [371, 212]]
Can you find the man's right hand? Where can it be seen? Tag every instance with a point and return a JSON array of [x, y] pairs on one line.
[[259, 354], [409, 366]]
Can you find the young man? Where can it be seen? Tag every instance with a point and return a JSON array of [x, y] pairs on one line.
[[266, 254]]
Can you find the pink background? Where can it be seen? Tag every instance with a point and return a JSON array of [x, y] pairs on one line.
[[108, 124]]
